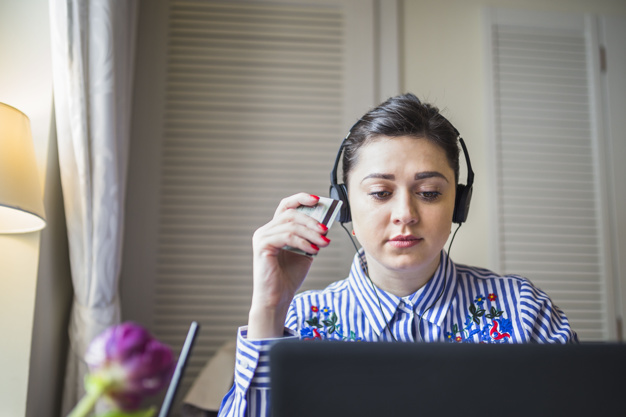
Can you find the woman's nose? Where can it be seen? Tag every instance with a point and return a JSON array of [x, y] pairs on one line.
[[405, 210]]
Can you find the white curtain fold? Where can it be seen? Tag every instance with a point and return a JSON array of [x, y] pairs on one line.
[[92, 57]]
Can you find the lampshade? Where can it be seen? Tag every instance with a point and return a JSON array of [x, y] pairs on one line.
[[21, 203]]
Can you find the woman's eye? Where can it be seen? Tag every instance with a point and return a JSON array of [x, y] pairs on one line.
[[380, 195], [430, 195]]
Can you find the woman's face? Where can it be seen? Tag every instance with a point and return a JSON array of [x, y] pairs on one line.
[[401, 193]]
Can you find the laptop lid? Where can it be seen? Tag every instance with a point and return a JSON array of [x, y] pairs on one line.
[[332, 379], [179, 371]]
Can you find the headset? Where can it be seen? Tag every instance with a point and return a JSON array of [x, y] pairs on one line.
[[459, 215], [463, 191]]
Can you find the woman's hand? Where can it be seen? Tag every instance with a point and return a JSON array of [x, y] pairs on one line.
[[279, 273]]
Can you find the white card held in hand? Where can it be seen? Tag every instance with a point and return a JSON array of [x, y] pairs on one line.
[[325, 212]]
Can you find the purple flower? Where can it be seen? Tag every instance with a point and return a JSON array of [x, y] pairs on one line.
[[129, 364]]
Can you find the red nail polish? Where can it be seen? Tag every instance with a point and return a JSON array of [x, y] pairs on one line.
[[325, 239], [315, 246], [315, 197], [323, 227]]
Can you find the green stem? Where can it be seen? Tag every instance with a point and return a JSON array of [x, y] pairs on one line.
[[86, 404]]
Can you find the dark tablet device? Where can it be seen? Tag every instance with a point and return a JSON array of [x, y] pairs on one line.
[[338, 379]]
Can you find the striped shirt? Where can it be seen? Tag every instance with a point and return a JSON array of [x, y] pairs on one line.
[[460, 304]]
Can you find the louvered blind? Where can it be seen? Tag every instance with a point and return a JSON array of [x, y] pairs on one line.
[[549, 222], [255, 98]]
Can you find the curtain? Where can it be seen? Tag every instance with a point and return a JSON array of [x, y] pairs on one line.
[[92, 57]]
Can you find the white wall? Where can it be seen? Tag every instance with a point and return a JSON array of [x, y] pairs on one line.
[[26, 83]]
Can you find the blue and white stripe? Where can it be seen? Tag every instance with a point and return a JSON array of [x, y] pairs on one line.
[[375, 315]]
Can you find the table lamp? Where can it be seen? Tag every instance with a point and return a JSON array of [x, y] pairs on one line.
[[21, 202]]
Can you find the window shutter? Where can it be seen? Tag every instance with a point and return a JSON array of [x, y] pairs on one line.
[[549, 199], [254, 112]]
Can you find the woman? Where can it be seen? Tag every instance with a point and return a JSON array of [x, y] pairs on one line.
[[401, 165]]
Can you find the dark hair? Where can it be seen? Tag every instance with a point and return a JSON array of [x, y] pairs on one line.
[[403, 115]]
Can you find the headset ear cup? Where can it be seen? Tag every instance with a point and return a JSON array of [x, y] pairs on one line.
[[340, 192], [461, 203], [457, 215], [347, 215]]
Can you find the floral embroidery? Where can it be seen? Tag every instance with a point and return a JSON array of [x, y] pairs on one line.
[[326, 328], [477, 313], [493, 313], [314, 322], [505, 327], [317, 334], [486, 322], [331, 324], [306, 333]]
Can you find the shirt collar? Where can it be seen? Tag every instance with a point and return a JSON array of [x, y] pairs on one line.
[[432, 300]]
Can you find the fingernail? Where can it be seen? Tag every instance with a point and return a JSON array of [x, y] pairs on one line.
[[315, 197], [325, 239], [315, 246], [323, 227]]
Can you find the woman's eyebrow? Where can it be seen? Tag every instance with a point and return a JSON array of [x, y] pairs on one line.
[[429, 174], [419, 176], [380, 176]]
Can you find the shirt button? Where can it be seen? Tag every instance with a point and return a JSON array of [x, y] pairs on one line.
[[244, 363]]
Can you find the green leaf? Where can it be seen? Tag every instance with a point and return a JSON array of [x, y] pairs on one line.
[[476, 311], [313, 321], [494, 313], [330, 325]]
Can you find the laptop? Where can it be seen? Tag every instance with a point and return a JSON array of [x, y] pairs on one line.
[[333, 379]]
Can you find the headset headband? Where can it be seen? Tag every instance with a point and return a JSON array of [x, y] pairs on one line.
[[333, 173], [470, 172], [463, 191]]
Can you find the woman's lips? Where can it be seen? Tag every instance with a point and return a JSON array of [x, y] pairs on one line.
[[404, 241]]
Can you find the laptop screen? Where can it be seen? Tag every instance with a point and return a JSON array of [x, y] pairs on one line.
[[181, 364], [332, 379]]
